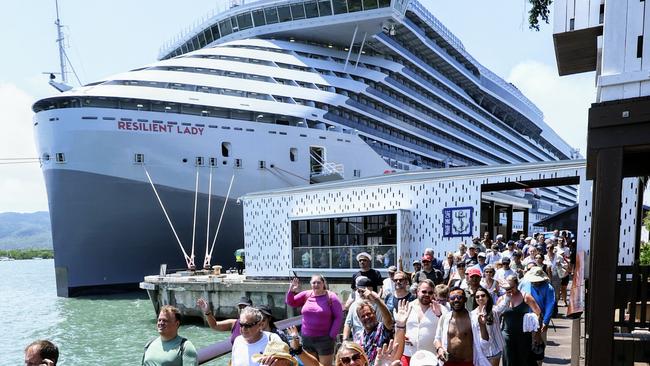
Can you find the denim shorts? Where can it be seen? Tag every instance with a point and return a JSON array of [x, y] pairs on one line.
[[321, 345]]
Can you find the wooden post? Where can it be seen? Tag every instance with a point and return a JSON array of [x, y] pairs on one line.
[[605, 226], [526, 222]]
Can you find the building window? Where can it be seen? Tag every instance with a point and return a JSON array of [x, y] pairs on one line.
[[60, 157], [198, 161], [639, 47], [357, 173], [238, 163], [335, 242], [572, 24], [225, 149], [138, 158], [262, 164], [213, 162]]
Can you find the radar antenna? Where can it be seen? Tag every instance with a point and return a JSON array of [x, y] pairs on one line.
[[63, 58]]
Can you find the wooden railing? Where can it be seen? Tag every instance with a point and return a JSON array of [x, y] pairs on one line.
[[222, 348], [632, 300]]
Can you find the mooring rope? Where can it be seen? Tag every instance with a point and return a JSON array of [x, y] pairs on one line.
[[208, 257], [207, 230], [196, 197], [155, 191]]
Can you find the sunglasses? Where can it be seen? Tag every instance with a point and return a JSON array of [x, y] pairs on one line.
[[248, 325], [455, 297], [348, 360], [491, 272], [423, 262], [480, 296], [400, 279], [427, 292]]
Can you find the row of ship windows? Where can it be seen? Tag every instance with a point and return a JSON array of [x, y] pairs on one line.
[[370, 82], [397, 116], [550, 150], [473, 106], [275, 14]]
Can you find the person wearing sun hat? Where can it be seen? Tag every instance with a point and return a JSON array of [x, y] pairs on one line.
[[277, 352], [537, 284]]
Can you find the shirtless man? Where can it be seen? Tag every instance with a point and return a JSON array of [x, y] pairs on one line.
[[458, 339]]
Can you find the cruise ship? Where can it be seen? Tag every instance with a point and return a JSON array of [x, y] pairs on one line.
[[144, 168]]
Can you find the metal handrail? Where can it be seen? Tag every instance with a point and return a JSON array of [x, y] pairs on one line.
[[224, 347]]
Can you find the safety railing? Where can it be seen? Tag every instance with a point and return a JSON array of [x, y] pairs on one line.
[[343, 257], [224, 347]]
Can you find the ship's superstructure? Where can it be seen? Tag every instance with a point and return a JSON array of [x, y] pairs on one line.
[[267, 95]]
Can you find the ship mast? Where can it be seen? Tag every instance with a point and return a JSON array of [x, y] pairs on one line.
[[60, 39]]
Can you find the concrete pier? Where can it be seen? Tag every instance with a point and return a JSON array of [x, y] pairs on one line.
[[223, 292]]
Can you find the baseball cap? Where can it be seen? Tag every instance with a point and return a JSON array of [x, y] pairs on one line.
[[392, 269], [362, 281], [505, 259], [245, 301], [265, 309], [482, 254], [474, 272]]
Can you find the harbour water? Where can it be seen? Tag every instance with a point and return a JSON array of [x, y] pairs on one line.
[[106, 330]]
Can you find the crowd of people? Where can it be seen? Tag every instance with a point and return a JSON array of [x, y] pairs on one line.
[[489, 303]]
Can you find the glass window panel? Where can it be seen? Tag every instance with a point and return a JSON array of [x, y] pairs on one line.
[[208, 35], [215, 31], [384, 3], [354, 5], [258, 18], [271, 15], [302, 226], [321, 258], [245, 21], [302, 258], [311, 9], [340, 6], [297, 11], [325, 8], [284, 14], [369, 4], [225, 27], [341, 258], [195, 43], [235, 27]]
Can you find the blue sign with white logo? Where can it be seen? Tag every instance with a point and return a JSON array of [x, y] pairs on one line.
[[457, 222]]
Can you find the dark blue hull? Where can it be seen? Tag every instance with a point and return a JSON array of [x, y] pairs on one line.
[[109, 233]]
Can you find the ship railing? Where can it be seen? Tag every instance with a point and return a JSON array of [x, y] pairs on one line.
[[325, 168], [222, 348], [343, 257]]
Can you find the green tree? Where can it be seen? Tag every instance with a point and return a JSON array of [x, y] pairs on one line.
[[538, 11], [644, 256]]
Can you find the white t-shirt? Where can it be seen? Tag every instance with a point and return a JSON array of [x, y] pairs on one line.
[[242, 351], [421, 333]]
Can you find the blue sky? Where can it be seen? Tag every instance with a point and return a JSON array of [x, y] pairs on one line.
[[108, 37]]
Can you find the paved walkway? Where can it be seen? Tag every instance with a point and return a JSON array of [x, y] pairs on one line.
[[558, 348]]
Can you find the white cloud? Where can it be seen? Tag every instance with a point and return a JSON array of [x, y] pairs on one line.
[[565, 101], [21, 185]]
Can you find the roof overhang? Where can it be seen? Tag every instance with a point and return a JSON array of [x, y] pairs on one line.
[[577, 51]]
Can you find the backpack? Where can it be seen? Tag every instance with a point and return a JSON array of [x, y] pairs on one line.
[[146, 346]]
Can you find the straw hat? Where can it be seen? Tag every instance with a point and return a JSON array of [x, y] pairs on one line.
[[276, 349], [535, 274]]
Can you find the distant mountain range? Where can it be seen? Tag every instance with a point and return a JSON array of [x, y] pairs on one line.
[[25, 230]]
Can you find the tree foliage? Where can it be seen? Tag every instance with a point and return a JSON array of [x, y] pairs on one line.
[[538, 11], [27, 253]]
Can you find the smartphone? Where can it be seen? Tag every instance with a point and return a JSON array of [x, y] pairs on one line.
[[295, 275]]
